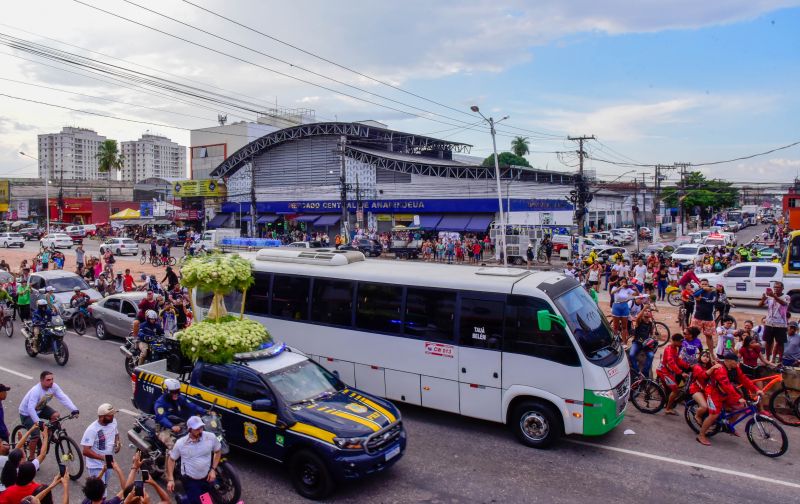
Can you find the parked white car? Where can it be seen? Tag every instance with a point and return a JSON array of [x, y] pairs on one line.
[[622, 235], [750, 280], [119, 246], [56, 240], [12, 240], [689, 253]]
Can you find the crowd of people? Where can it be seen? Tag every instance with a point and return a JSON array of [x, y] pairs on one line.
[[181, 430]]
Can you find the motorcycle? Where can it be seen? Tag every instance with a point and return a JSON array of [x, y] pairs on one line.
[[165, 348], [226, 488], [51, 340]]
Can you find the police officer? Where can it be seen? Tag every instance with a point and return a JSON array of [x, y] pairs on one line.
[[171, 403]]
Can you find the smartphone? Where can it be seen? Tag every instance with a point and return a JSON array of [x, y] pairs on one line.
[[62, 470], [138, 488], [145, 475], [109, 461], [769, 291]]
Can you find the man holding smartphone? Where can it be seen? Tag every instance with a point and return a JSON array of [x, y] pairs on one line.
[[101, 441], [777, 304]]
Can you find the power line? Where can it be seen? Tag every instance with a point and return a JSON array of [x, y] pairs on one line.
[[349, 69], [776, 149]]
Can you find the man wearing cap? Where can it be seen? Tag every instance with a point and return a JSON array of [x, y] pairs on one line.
[[199, 452], [101, 438], [3, 429]]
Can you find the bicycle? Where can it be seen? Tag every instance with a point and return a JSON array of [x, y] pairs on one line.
[[67, 451], [157, 260], [143, 257], [647, 395], [80, 318], [784, 400], [759, 428], [5, 320]]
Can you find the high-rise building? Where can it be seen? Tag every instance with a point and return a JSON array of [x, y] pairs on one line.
[[70, 154], [153, 156]]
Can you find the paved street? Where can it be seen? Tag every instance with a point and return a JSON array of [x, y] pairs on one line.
[[454, 459]]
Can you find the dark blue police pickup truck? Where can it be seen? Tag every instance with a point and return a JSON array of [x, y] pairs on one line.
[[279, 404]]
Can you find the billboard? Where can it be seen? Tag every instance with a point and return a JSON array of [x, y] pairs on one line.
[[5, 195], [205, 188], [22, 209]]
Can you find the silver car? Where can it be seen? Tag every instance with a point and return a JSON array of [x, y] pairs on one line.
[[64, 283], [114, 315]]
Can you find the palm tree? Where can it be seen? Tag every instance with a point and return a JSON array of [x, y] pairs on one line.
[[109, 159], [520, 146]]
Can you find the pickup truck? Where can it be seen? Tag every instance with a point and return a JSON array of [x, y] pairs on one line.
[[279, 404], [749, 280]]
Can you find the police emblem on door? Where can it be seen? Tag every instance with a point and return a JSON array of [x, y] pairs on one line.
[[250, 432]]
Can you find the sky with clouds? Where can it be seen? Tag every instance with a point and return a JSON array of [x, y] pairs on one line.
[[654, 81]]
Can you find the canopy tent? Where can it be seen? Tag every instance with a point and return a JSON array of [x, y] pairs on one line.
[[126, 214]]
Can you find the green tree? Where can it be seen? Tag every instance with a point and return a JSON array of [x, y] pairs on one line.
[[520, 146], [506, 159], [109, 160], [707, 195]]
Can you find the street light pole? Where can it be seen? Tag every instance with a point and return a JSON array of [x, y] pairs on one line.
[[502, 236], [46, 190]]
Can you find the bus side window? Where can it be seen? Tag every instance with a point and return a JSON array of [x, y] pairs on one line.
[[524, 337], [332, 302], [379, 307], [794, 254], [481, 324], [290, 297], [430, 314], [257, 301]]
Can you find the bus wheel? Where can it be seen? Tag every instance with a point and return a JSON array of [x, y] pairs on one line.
[[535, 424]]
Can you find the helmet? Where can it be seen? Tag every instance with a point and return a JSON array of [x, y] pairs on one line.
[[50, 288], [150, 314], [41, 302], [172, 385], [76, 289]]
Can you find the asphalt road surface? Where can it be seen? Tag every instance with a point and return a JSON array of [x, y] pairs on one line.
[[454, 459]]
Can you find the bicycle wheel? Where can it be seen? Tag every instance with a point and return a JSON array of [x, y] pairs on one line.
[[8, 327], [142, 259], [154, 261], [171, 261], [69, 453], [689, 413], [766, 436], [661, 333], [648, 397], [674, 298], [79, 323], [781, 405], [16, 435]]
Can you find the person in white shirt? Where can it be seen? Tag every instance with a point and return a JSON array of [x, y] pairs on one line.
[[199, 452], [640, 271], [101, 438], [34, 406]]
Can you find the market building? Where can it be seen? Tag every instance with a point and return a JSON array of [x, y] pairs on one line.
[[303, 174]]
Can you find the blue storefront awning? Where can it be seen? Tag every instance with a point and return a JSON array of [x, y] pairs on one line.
[[267, 219], [328, 220], [246, 218], [479, 223], [219, 220], [429, 221], [453, 223], [307, 218]]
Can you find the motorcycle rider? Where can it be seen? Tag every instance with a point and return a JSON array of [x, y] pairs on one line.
[[40, 318], [172, 403], [149, 332]]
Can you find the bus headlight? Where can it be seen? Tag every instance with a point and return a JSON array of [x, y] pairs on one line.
[[608, 394], [355, 443]]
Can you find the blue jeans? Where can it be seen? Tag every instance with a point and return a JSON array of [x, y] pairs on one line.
[[662, 290], [637, 347], [194, 489]]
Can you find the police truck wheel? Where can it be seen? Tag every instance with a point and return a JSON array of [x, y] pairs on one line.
[[310, 476], [535, 424], [100, 330]]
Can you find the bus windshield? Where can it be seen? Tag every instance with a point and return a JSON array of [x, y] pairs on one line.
[[589, 326]]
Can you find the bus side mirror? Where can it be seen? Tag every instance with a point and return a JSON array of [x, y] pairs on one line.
[[543, 319]]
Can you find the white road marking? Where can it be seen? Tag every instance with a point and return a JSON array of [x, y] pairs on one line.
[[687, 463], [128, 412], [15, 373], [88, 336]]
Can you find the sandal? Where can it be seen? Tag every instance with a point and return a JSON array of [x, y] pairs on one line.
[[704, 443], [670, 412]]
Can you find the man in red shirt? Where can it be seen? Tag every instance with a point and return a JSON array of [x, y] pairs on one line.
[[128, 284], [722, 393], [671, 370], [689, 276]]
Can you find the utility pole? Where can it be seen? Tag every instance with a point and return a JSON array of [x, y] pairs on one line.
[[682, 167], [582, 194], [252, 198], [343, 188]]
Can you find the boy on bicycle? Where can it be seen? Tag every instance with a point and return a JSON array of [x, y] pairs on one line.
[[722, 393]]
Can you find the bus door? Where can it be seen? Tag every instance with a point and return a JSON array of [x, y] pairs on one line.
[[480, 333], [792, 255]]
